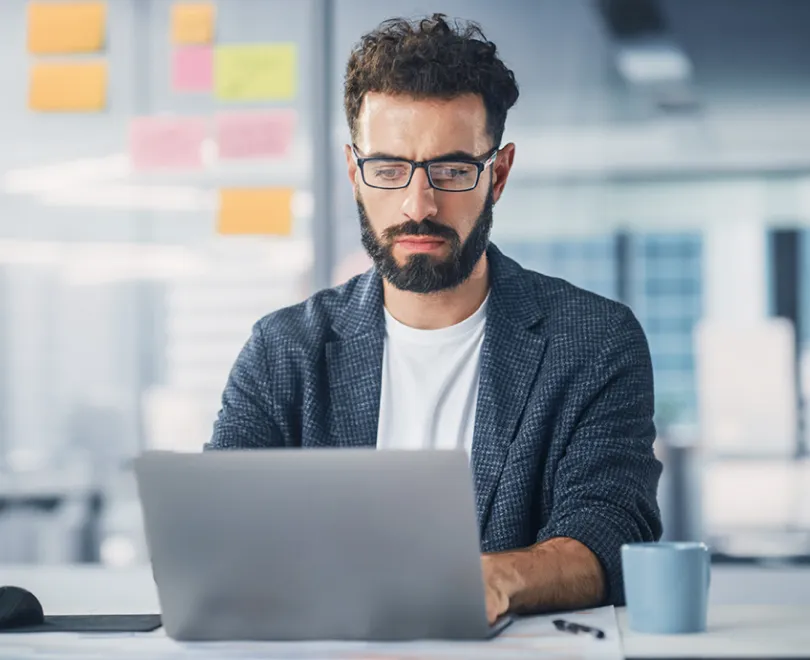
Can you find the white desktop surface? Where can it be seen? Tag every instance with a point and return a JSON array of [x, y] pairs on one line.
[[738, 631], [733, 631]]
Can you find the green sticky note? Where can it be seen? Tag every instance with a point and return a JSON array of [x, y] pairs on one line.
[[258, 72]]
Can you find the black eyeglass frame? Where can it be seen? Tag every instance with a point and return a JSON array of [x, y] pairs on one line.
[[481, 163]]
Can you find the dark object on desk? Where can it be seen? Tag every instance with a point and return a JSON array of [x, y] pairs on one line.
[[569, 626], [19, 607], [21, 612]]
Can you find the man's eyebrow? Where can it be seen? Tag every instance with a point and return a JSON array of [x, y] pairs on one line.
[[382, 154], [451, 155]]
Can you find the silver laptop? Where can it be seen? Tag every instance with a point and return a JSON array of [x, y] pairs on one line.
[[291, 544]]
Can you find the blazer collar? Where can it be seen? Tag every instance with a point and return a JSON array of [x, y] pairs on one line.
[[511, 297]]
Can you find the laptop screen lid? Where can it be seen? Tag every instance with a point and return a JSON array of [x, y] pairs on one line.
[[292, 544]]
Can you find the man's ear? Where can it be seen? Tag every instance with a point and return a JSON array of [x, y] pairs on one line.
[[351, 168], [501, 169]]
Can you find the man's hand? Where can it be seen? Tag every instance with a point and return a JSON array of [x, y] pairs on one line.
[[557, 574], [500, 584]]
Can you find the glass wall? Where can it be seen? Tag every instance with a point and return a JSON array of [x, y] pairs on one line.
[[122, 304], [654, 171]]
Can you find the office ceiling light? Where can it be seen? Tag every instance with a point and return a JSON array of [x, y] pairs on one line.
[[648, 55], [653, 63]]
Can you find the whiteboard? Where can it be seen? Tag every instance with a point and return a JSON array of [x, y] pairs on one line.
[[746, 382]]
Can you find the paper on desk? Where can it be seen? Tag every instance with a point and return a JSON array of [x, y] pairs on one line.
[[527, 638], [539, 635]]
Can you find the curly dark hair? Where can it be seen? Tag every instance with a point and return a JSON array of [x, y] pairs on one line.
[[430, 58]]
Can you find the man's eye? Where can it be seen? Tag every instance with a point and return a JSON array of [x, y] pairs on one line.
[[454, 171]]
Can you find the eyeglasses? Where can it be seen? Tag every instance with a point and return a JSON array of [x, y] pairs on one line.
[[446, 174]]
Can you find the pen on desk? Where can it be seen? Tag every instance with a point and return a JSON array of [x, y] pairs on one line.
[[576, 628]]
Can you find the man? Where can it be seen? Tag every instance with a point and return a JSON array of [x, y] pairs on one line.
[[448, 343]]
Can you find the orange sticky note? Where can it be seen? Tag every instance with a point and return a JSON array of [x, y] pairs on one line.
[[57, 28], [193, 23], [255, 211], [68, 86]]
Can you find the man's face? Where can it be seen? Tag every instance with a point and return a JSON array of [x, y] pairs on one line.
[[421, 239]]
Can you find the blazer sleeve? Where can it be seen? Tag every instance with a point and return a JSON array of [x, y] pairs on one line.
[[245, 419], [605, 487]]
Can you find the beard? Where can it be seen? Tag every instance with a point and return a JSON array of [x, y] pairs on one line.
[[422, 273]]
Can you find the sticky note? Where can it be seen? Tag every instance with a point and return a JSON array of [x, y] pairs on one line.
[[193, 23], [255, 211], [68, 86], [255, 134], [167, 142], [56, 28], [255, 72], [193, 69]]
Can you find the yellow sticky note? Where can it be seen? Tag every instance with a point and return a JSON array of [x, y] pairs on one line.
[[193, 23], [56, 28], [255, 72], [255, 211], [68, 86]]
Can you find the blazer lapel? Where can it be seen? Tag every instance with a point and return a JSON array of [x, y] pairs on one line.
[[510, 359], [355, 377], [354, 366]]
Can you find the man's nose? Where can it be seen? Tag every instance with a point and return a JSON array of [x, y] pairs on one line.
[[420, 200]]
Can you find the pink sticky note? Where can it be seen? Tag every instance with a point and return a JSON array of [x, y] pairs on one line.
[[167, 142], [255, 134], [193, 69]]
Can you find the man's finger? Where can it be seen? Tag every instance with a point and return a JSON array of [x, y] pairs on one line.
[[491, 607], [492, 614], [496, 605]]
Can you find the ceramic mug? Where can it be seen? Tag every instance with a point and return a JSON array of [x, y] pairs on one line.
[[666, 586]]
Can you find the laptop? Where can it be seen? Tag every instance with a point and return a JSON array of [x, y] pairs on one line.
[[314, 544]]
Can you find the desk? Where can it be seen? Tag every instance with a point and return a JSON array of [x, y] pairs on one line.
[[735, 631]]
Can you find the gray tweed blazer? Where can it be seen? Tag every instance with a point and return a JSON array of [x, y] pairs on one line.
[[563, 440]]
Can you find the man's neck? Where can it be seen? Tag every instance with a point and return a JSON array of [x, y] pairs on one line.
[[432, 311]]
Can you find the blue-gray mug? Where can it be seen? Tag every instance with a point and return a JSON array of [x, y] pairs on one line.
[[666, 586]]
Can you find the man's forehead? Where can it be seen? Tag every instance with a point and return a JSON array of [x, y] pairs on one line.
[[421, 128]]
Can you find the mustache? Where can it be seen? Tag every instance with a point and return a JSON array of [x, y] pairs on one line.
[[423, 228]]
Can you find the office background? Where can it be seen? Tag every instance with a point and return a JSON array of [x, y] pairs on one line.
[[663, 159]]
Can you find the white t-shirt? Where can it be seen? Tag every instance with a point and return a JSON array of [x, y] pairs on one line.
[[430, 384]]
